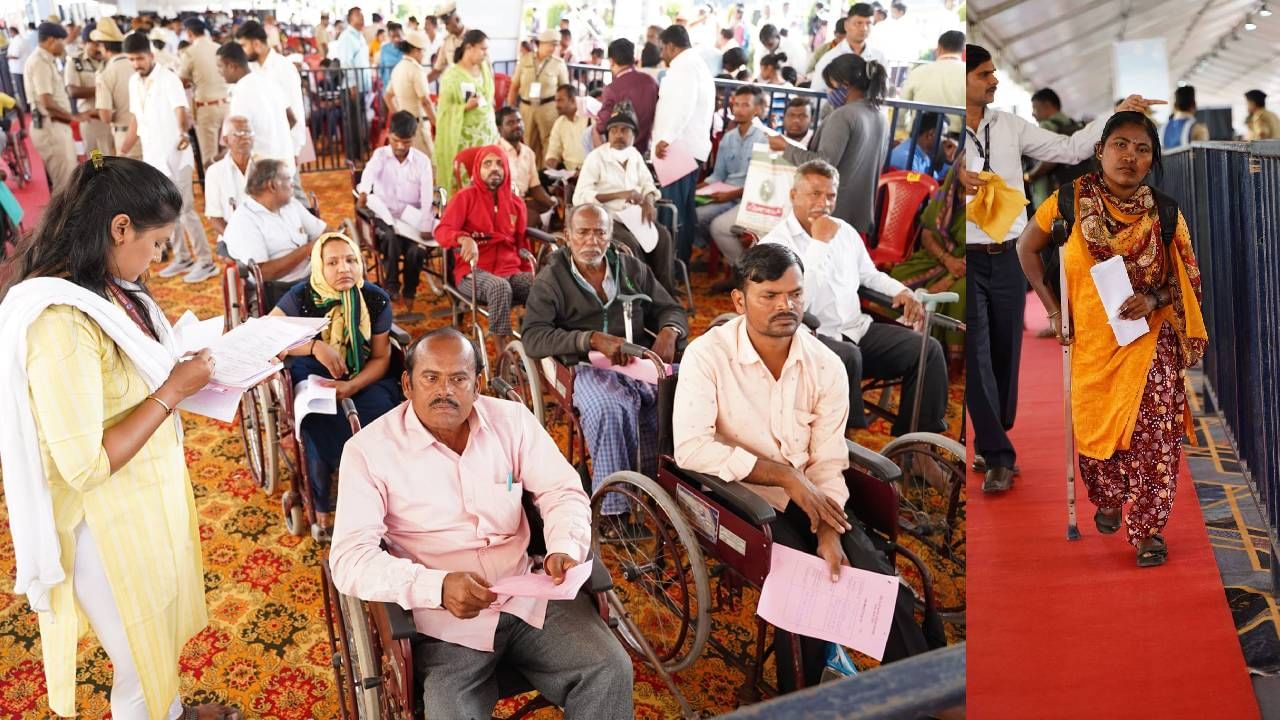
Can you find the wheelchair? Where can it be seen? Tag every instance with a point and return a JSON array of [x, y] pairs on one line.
[[371, 642], [697, 528]]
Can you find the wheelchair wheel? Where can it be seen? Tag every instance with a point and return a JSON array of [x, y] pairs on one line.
[[250, 418], [932, 510], [365, 664], [521, 372], [291, 508], [265, 462], [659, 575], [340, 653]]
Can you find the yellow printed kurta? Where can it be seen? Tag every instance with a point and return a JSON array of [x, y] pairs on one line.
[[143, 517], [1107, 381]]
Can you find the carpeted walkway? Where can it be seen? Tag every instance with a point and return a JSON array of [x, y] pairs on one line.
[[266, 649], [1064, 629]]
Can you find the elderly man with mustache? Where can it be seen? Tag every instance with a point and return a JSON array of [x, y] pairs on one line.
[[579, 303], [430, 515]]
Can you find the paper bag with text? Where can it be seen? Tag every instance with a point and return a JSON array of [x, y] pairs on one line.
[[766, 197]]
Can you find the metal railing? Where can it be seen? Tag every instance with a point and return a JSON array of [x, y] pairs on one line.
[[904, 690], [1229, 193], [342, 114]]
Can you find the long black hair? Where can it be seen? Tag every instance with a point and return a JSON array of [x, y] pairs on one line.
[[469, 38], [868, 78], [1131, 117], [73, 240]]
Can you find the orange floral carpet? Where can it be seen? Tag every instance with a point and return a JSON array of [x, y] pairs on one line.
[[266, 649]]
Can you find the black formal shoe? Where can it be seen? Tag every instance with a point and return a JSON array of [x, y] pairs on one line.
[[980, 465], [998, 479]]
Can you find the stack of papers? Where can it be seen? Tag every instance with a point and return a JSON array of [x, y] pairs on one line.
[[243, 357], [316, 394], [1112, 281], [409, 223]]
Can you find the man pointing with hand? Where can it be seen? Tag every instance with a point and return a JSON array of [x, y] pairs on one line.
[[994, 142]]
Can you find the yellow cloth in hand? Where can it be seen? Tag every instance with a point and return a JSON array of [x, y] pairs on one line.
[[995, 206]]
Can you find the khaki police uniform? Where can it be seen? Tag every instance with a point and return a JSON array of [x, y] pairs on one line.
[[82, 71], [199, 66], [53, 139], [409, 86], [444, 57], [536, 82], [113, 95]]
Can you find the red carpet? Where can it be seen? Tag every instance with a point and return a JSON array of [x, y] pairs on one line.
[[1062, 629]]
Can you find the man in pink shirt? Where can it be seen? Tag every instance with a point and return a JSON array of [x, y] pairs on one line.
[[792, 453], [439, 481]]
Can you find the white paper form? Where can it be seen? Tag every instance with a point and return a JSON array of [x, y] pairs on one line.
[[646, 233], [856, 612], [220, 402], [246, 352], [1112, 281], [192, 335], [313, 395]]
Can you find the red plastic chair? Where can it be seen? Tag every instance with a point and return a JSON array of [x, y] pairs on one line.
[[501, 86], [902, 193]]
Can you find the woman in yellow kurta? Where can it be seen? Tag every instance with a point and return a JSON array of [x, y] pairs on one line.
[[100, 504], [1128, 403]]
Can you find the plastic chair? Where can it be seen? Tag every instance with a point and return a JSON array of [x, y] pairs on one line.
[[901, 195]]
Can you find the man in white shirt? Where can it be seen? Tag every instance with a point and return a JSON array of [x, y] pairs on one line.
[[940, 82], [997, 287], [857, 28], [836, 265], [399, 177], [761, 402], [13, 51], [253, 38], [686, 103], [160, 121], [273, 229], [772, 42], [255, 97], [225, 180], [615, 176]]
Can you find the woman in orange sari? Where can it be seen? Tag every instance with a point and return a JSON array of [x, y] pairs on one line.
[[1129, 403]]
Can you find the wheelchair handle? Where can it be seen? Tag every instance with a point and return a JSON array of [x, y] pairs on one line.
[[931, 301], [349, 409], [504, 389], [644, 353]]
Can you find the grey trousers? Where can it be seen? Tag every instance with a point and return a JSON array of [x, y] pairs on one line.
[[189, 225], [574, 661], [889, 351]]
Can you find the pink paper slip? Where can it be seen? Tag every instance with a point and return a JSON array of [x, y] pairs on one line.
[[542, 586], [640, 369], [714, 188], [675, 165], [856, 612]]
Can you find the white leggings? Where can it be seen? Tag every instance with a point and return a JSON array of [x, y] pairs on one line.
[[94, 594]]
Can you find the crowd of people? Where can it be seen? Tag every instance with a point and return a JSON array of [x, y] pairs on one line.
[[536, 149]]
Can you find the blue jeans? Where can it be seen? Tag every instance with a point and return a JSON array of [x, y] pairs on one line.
[[680, 192]]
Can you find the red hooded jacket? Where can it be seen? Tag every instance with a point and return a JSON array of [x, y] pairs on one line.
[[499, 214]]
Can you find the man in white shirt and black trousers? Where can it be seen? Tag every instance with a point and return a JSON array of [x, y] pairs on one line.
[[997, 287]]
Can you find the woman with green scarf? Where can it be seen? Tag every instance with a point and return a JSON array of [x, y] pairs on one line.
[[939, 266], [353, 353], [464, 109]]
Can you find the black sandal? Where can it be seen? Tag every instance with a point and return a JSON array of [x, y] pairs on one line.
[[1105, 524], [1154, 555]]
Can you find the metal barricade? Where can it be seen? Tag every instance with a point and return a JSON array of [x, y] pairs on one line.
[[1229, 193], [345, 111]]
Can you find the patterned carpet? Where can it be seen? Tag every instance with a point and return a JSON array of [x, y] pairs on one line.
[[1238, 533], [266, 648]]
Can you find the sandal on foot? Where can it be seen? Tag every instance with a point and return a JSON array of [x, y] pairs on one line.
[[1154, 555], [1106, 524]]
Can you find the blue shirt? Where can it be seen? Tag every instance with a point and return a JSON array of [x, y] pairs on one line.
[[734, 155], [388, 57], [920, 162]]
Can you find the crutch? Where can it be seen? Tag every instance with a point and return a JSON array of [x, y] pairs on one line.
[[1066, 338]]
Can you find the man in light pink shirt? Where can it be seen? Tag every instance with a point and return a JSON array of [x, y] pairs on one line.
[[400, 177], [762, 404], [439, 481]]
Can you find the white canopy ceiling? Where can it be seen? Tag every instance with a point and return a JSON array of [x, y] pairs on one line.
[[1067, 45]]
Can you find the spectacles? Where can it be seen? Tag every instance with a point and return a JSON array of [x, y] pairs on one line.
[[242, 133]]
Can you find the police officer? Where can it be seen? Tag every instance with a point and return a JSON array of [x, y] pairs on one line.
[[408, 88], [111, 98], [81, 71], [199, 69], [534, 85], [51, 115]]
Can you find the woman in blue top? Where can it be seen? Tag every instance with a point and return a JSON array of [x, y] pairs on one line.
[[354, 352]]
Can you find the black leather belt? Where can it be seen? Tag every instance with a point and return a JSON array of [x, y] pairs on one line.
[[989, 248], [526, 101]]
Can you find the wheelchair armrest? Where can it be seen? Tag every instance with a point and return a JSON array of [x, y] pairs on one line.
[[599, 581], [398, 619], [400, 335], [541, 236], [568, 360], [811, 321], [875, 464], [876, 297], [749, 505]]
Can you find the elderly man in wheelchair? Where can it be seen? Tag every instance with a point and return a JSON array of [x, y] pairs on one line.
[[761, 404], [592, 298], [431, 515], [838, 264]]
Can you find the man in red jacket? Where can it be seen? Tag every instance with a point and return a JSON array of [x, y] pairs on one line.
[[486, 222]]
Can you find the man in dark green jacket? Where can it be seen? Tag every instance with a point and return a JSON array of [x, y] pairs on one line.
[[592, 299]]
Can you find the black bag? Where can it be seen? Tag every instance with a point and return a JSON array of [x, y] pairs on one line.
[[1065, 174], [1060, 231]]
